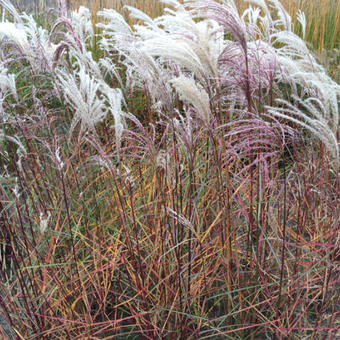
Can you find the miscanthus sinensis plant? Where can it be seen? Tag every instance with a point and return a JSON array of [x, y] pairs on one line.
[[172, 179], [245, 65]]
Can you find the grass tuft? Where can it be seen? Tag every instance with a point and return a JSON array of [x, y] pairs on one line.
[[169, 174]]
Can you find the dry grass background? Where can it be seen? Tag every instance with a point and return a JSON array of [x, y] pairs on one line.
[[322, 30], [323, 16]]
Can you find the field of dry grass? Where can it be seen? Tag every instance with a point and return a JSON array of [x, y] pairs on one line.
[[323, 16]]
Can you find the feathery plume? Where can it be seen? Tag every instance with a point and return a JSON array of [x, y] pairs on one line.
[[12, 32], [225, 14], [7, 83], [82, 24], [310, 117], [115, 99], [301, 17], [284, 17], [82, 93], [194, 94]]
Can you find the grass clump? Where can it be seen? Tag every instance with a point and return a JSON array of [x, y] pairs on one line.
[[174, 179]]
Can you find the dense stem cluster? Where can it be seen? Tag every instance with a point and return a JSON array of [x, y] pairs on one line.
[[172, 179]]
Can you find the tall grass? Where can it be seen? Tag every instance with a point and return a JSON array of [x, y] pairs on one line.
[[323, 16], [178, 179], [152, 7], [323, 22]]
